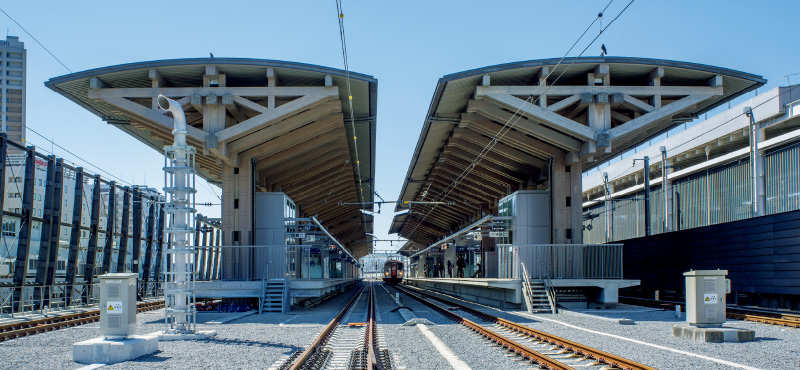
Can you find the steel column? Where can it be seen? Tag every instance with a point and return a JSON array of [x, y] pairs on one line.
[[148, 244], [26, 227], [75, 235], [111, 218], [94, 230], [123, 239], [160, 246], [50, 229], [136, 197]]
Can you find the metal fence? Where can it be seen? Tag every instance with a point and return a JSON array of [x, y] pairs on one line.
[[63, 227], [570, 261], [53, 298]]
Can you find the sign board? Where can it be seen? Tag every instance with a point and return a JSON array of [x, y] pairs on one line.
[[710, 298], [309, 238], [498, 234], [296, 235], [114, 307], [498, 228]]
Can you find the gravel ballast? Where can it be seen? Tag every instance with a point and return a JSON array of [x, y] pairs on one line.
[[774, 348]]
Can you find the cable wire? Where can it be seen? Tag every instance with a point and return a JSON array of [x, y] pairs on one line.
[[516, 116], [37, 41]]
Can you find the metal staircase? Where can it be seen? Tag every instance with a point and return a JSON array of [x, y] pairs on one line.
[[538, 297], [274, 296]]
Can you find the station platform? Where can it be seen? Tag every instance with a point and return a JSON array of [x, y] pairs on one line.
[[507, 293], [298, 289]]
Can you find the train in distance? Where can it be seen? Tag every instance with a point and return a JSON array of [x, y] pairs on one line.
[[392, 272]]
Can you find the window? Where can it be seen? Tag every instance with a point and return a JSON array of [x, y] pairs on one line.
[[31, 264], [39, 182], [10, 228], [16, 210], [61, 265]]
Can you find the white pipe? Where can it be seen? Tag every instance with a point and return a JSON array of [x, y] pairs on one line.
[[180, 200], [179, 118]]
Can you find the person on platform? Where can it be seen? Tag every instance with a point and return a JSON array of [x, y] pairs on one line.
[[460, 265], [425, 270], [477, 273], [449, 269], [441, 269]]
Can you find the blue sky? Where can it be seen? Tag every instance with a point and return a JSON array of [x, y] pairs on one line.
[[406, 45]]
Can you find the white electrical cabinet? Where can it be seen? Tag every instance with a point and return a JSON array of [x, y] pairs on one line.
[[705, 297], [118, 305]]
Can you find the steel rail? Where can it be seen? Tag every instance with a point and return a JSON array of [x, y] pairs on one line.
[[322, 338], [736, 313], [525, 352], [589, 352], [25, 328], [371, 338]]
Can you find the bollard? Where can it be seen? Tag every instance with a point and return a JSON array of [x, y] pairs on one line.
[[397, 298], [678, 311]]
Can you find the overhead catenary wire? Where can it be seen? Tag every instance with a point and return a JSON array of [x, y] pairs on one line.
[[357, 165], [37, 41], [516, 116]]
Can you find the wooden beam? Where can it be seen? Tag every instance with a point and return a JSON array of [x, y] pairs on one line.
[[321, 116], [637, 104], [633, 126], [273, 115], [580, 89], [172, 92], [564, 103], [551, 119], [153, 116], [524, 125], [518, 139]]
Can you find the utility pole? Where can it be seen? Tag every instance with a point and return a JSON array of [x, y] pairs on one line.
[[609, 228], [753, 158], [646, 194]]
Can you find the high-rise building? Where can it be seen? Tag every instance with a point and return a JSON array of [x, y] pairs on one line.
[[12, 82]]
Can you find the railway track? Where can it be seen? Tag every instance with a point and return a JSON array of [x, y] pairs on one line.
[[732, 312], [346, 345], [545, 350], [30, 327]]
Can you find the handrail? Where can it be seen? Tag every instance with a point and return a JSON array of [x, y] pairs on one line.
[[264, 281], [544, 276]]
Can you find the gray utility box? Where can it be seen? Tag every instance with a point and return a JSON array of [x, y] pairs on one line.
[[118, 305], [705, 297]]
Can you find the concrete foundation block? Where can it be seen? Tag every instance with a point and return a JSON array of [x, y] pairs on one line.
[[713, 335], [111, 351]]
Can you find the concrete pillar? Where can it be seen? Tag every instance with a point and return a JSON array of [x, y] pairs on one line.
[[576, 201], [230, 256], [559, 187]]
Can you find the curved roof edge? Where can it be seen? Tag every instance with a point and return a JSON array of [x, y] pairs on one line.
[[440, 85], [204, 61], [584, 60]]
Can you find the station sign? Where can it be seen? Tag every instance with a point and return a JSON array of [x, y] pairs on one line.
[[296, 235], [498, 228], [498, 234], [468, 249], [310, 238]]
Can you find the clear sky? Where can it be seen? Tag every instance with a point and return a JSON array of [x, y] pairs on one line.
[[406, 45]]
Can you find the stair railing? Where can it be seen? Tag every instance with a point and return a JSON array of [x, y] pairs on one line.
[[544, 276], [526, 289], [264, 282]]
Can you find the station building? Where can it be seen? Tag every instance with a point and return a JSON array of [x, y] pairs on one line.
[[291, 145], [496, 179], [724, 194]]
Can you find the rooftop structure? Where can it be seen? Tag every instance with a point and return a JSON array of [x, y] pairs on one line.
[[544, 123], [259, 126]]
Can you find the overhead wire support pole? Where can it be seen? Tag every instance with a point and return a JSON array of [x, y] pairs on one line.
[[666, 188], [646, 194]]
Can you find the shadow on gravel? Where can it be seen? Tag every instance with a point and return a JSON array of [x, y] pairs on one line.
[[251, 343], [151, 358], [766, 339]]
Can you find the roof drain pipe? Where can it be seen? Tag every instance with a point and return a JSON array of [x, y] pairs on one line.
[[179, 176]]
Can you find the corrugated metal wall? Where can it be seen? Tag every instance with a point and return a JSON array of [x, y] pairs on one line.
[[721, 194], [782, 183]]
